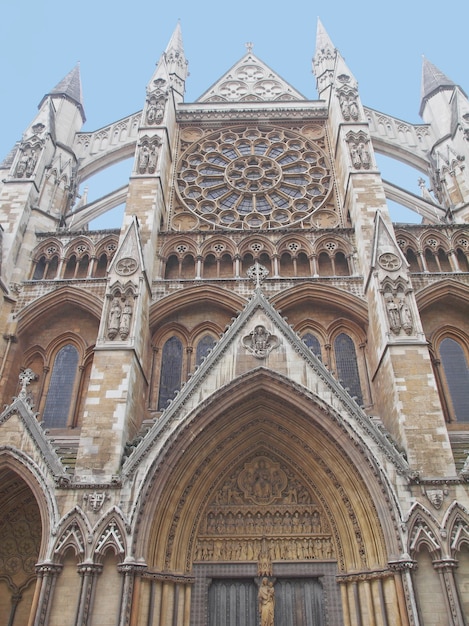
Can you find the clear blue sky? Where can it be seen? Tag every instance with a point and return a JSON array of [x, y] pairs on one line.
[[118, 43]]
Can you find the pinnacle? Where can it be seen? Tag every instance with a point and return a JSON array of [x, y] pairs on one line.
[[70, 87], [176, 43], [323, 40], [433, 80]]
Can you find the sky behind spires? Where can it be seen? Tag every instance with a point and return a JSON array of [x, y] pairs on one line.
[[118, 44]]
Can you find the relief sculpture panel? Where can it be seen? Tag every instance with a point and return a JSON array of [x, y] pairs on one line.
[[263, 512]]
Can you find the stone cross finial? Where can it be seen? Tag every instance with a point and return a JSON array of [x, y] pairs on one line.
[[257, 273], [26, 376], [249, 46]]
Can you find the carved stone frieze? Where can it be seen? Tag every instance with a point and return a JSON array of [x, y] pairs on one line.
[[263, 513]]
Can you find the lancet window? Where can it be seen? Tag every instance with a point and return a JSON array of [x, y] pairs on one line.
[[58, 406], [313, 344], [203, 348], [171, 371], [347, 366], [456, 378]]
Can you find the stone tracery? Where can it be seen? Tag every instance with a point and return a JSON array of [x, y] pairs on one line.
[[248, 177]]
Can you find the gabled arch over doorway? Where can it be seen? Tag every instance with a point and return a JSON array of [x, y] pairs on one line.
[[212, 468]]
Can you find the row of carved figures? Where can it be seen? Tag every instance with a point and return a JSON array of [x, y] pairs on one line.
[[246, 523], [306, 548]]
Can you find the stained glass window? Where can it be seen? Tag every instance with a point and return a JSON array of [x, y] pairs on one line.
[[203, 348], [62, 381], [347, 367], [171, 369], [457, 377], [313, 344]]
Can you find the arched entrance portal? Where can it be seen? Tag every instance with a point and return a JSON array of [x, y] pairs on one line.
[[265, 483], [20, 542]]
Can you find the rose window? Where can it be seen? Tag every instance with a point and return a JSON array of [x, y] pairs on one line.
[[254, 178]]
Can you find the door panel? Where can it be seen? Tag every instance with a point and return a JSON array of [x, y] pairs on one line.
[[232, 603], [298, 602]]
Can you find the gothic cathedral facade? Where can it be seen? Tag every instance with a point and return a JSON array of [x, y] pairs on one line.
[[249, 405]]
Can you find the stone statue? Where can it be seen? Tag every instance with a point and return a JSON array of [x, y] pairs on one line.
[[406, 317], [143, 159], [124, 327], [114, 319], [393, 315], [266, 603]]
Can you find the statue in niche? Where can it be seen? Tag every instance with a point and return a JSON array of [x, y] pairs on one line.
[[266, 602], [156, 106], [355, 156], [148, 157], [26, 164], [143, 159], [393, 315], [114, 319], [348, 104], [364, 156], [152, 160], [406, 317], [126, 315]]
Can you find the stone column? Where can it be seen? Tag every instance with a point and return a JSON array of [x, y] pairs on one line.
[[47, 573], [132, 573], [445, 569], [404, 589], [89, 573]]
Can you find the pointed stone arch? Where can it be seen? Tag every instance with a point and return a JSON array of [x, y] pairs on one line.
[[27, 515], [110, 533], [423, 530], [262, 413], [73, 532], [80, 298], [456, 524]]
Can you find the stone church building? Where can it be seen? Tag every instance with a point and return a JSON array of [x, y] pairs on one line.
[[249, 405]]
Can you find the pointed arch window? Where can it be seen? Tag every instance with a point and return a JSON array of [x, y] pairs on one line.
[[59, 399], [313, 344], [203, 348], [171, 371], [456, 372], [347, 366]]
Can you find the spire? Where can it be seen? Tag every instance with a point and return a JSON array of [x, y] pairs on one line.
[[433, 80], [70, 87], [175, 43], [323, 41], [176, 60]]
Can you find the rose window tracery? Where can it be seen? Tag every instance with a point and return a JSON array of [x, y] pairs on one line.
[[248, 178]]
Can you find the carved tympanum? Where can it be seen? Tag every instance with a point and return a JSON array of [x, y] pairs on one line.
[[262, 512]]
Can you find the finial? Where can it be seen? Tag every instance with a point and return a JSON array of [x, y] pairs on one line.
[[249, 46], [257, 273]]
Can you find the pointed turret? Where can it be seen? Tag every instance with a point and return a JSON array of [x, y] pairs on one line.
[[445, 107], [176, 61], [433, 81], [70, 87]]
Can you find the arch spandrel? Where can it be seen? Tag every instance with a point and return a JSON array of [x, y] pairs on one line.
[[315, 453]]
